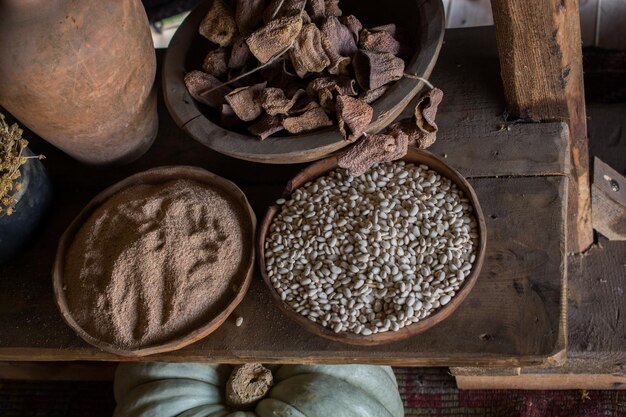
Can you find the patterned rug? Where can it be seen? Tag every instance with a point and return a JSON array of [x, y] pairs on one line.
[[432, 392], [427, 392]]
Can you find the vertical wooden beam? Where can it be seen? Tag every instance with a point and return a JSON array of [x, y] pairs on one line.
[[541, 63]]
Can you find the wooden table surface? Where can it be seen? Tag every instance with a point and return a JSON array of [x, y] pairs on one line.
[[514, 316]]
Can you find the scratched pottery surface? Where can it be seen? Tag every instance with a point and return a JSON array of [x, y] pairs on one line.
[[80, 74]]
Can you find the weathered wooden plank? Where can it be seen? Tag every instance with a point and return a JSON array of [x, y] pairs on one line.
[[608, 200], [597, 305], [541, 66], [539, 56], [596, 338], [513, 316], [543, 382], [504, 150], [473, 133]]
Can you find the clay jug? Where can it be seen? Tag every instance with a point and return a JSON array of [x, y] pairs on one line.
[[80, 74]]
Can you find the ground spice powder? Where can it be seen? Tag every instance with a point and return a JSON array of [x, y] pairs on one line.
[[154, 262]]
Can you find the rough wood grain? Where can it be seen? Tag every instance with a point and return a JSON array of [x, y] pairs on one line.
[[597, 335], [608, 201], [473, 135], [597, 305], [513, 316], [543, 382], [541, 66]]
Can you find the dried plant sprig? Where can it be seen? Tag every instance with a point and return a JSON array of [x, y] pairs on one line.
[[12, 157]]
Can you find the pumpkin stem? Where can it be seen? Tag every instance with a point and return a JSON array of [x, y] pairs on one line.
[[247, 385]]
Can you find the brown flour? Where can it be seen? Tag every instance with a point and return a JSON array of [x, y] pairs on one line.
[[154, 262]]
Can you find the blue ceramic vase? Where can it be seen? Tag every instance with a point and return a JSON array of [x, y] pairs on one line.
[[33, 201]]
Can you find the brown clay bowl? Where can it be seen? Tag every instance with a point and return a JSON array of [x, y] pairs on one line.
[[326, 165], [160, 175], [424, 19]]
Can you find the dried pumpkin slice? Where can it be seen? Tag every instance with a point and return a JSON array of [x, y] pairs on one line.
[[353, 24], [332, 8], [248, 14], [326, 99], [216, 62], [374, 149], [319, 9], [244, 101], [307, 54], [240, 54], [371, 96], [416, 137], [375, 69], [200, 83], [309, 120], [341, 84], [219, 25], [303, 105], [274, 38], [378, 42], [338, 44], [422, 129], [390, 28], [266, 126], [275, 102], [401, 141], [426, 110], [367, 152], [353, 117]]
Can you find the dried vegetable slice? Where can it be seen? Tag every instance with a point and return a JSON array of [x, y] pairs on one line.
[[219, 25], [307, 121], [206, 88], [244, 102], [353, 117]]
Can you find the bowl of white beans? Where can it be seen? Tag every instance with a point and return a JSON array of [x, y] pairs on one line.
[[376, 258]]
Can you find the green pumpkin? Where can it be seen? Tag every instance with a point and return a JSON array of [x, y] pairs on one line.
[[198, 390]]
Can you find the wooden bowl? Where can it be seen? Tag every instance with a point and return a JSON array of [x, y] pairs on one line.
[[424, 19], [158, 176], [326, 165]]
